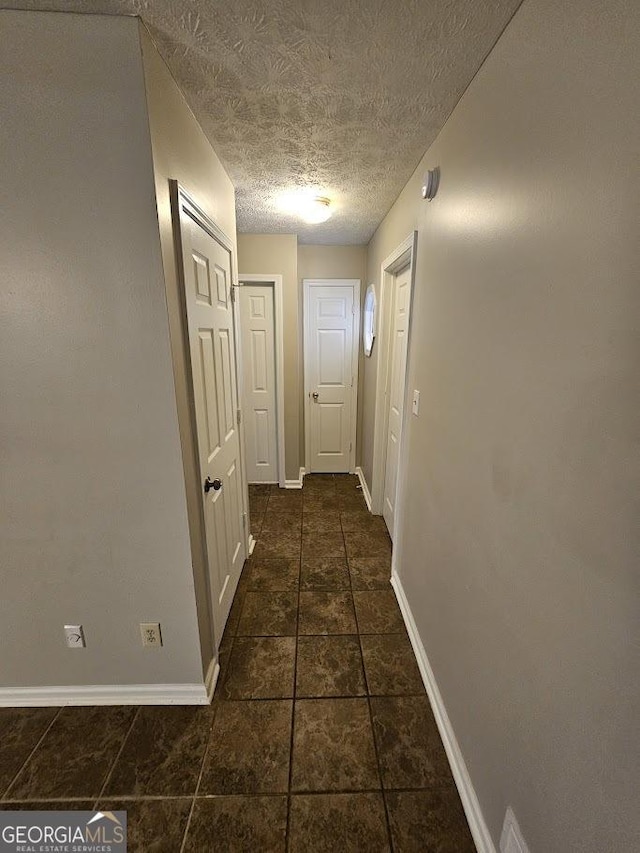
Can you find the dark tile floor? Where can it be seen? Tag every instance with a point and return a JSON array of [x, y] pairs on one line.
[[320, 736]]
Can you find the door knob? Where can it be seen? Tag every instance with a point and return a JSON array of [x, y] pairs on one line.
[[209, 484], [315, 396]]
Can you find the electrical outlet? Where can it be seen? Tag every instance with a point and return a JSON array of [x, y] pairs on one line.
[[150, 632], [74, 636], [415, 403]]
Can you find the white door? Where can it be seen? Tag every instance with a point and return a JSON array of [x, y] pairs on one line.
[[257, 318], [207, 278], [332, 313], [396, 391]]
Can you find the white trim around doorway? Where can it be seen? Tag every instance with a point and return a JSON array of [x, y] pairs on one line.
[[275, 281], [401, 257]]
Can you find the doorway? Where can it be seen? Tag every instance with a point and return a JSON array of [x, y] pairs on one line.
[[396, 293], [261, 373], [331, 336], [207, 278]]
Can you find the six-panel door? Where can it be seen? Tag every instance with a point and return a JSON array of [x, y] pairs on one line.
[[207, 274], [330, 375]]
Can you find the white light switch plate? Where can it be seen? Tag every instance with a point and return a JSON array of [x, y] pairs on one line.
[[415, 403]]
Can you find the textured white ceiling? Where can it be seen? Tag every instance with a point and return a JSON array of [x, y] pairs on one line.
[[341, 95]]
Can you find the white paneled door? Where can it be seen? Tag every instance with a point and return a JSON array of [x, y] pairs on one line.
[[332, 313], [257, 324], [396, 391], [207, 281]]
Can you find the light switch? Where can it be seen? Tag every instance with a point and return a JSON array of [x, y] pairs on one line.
[[415, 403]]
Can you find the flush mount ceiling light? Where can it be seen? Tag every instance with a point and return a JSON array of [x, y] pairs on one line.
[[309, 206], [316, 209]]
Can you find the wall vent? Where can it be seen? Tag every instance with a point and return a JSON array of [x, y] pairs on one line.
[[511, 840]]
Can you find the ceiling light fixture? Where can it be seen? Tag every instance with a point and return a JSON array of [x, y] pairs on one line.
[[305, 203], [315, 210]]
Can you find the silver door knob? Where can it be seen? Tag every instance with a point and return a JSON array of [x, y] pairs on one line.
[[315, 396], [209, 484]]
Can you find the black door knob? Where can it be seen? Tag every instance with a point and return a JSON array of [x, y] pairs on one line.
[[209, 484]]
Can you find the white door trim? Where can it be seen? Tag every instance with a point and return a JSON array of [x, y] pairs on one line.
[[275, 281], [333, 282], [402, 256]]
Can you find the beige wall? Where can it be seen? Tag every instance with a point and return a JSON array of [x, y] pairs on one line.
[[92, 501], [520, 534], [182, 152], [277, 254], [336, 262]]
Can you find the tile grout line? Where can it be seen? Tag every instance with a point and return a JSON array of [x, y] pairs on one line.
[[373, 735], [205, 752], [30, 756], [116, 759], [295, 676]]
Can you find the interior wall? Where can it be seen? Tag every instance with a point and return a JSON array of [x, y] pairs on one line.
[[336, 262], [182, 152], [277, 254], [92, 502], [519, 532]]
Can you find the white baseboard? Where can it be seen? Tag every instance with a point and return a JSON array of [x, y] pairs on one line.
[[212, 678], [477, 824], [106, 694], [295, 484], [365, 487]]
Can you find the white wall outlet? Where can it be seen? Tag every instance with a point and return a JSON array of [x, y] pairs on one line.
[[74, 636], [151, 636], [415, 403], [511, 840]]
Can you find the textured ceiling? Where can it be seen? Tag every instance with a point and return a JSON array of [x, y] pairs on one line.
[[341, 95]]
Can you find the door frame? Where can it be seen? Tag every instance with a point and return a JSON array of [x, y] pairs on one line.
[[307, 283], [181, 200], [403, 256], [274, 281]]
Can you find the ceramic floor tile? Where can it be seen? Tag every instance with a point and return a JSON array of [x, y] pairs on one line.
[[277, 544], [285, 499], [329, 666], [238, 825], [260, 668], [278, 574], [249, 749], [324, 573], [326, 613], [163, 752], [364, 543], [281, 522], [390, 665], [377, 612], [76, 754], [333, 746], [153, 826], [410, 751], [323, 545], [259, 490], [321, 522], [428, 820], [370, 572], [21, 730], [328, 823], [268, 614], [361, 521]]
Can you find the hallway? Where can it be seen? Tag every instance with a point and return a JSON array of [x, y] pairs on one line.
[[336, 764]]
